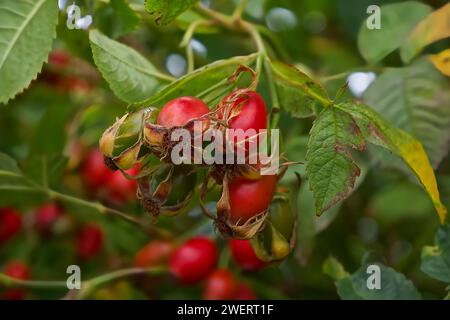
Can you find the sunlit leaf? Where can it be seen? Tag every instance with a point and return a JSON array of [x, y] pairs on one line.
[[442, 61], [131, 77], [27, 29], [165, 11], [431, 29], [397, 20], [381, 133], [416, 99]]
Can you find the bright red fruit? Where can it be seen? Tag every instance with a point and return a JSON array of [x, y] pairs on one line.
[[121, 189], [59, 58], [194, 260], [250, 197], [220, 285], [17, 270], [244, 292], [253, 113], [94, 171], [244, 256], [10, 223], [46, 216], [155, 253], [180, 111], [89, 241]]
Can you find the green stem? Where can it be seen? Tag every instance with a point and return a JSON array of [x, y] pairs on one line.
[[237, 14], [275, 114], [32, 284], [93, 284]]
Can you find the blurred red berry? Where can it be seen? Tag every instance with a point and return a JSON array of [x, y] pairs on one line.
[[17, 270], [244, 255], [10, 224], [244, 292], [120, 189], [59, 58], [46, 216], [155, 253], [89, 241], [220, 285], [94, 172], [194, 260]]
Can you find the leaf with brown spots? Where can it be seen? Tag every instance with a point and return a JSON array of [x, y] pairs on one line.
[[330, 167]]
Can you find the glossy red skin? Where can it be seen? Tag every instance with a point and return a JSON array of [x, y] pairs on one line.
[[253, 113], [156, 253], [244, 292], [46, 216], [94, 172], [120, 189], [89, 241], [220, 285], [244, 255], [194, 260], [17, 270], [250, 197], [180, 111], [10, 224]]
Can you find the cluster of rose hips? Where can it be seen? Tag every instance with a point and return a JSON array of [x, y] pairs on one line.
[[195, 262], [251, 205], [47, 220]]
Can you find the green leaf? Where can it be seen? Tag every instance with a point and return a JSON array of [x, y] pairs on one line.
[[116, 18], [433, 28], [298, 93], [165, 11], [45, 169], [27, 29], [14, 187], [331, 170], [393, 285], [197, 81], [436, 259], [131, 77], [397, 20], [381, 133], [416, 99]]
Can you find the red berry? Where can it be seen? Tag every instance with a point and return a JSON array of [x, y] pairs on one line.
[[94, 171], [220, 285], [180, 111], [10, 224], [194, 260], [17, 270], [252, 113], [46, 216], [155, 253], [250, 197], [89, 241], [59, 58], [244, 292], [244, 255], [120, 189]]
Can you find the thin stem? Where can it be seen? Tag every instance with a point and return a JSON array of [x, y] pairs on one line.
[[237, 14], [93, 284], [33, 284], [275, 114]]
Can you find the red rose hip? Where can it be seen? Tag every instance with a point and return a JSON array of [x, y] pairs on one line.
[[180, 111], [89, 241], [244, 255], [10, 224], [16, 270], [220, 285], [194, 260], [155, 253]]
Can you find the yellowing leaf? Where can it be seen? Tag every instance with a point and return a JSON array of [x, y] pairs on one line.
[[442, 61], [434, 27], [379, 132]]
